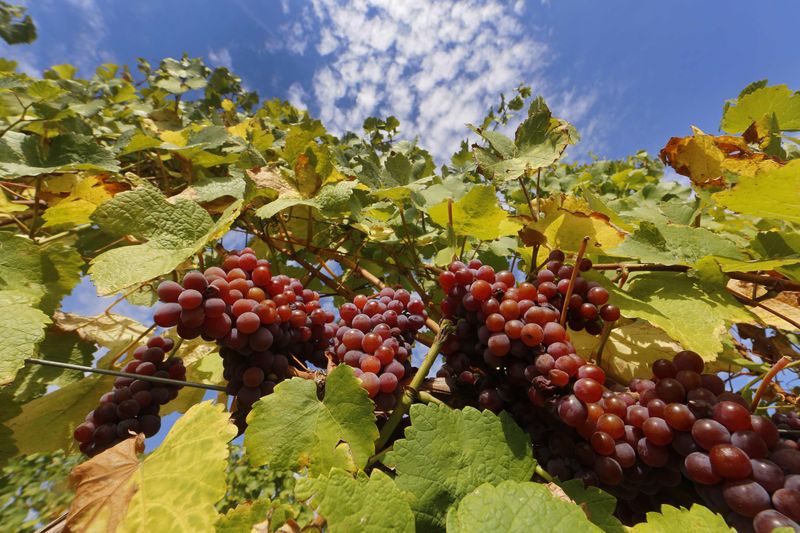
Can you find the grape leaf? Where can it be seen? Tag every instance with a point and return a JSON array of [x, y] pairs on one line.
[[695, 314], [20, 155], [539, 142], [787, 303], [178, 484], [632, 346], [209, 189], [292, 429], [332, 198], [705, 158], [349, 504], [446, 453], [515, 506], [108, 330], [751, 107], [76, 208], [21, 328], [598, 505], [698, 519], [103, 488], [672, 244], [243, 517], [478, 215], [773, 193], [174, 232], [58, 345], [568, 219]]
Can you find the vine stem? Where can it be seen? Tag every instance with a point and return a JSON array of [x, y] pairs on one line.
[[410, 393], [154, 379], [774, 283], [571, 286], [777, 367]]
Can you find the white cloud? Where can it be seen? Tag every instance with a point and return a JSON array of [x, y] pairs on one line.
[[221, 58], [434, 65], [297, 96], [88, 48]]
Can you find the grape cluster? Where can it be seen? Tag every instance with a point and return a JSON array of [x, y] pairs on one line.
[[679, 428], [264, 324], [375, 336], [508, 341], [588, 305], [132, 407]]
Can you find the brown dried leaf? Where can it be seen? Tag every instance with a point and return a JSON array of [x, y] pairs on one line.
[[271, 178], [787, 303], [103, 487], [558, 492]]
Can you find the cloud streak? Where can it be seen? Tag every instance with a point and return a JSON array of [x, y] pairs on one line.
[[434, 65]]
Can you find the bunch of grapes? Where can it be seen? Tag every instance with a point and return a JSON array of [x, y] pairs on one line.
[[244, 307], [132, 407], [508, 341], [681, 426], [588, 305], [264, 324], [375, 336]]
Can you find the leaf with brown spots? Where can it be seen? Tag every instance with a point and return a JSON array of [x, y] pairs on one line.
[[705, 158]]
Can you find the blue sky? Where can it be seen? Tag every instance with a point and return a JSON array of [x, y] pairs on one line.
[[630, 74]]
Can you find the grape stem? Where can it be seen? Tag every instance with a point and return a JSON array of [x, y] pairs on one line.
[[571, 286], [410, 393], [607, 327], [544, 474], [154, 379], [777, 367], [427, 397]]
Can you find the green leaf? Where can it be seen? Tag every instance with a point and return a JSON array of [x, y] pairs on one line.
[[292, 429], [21, 330], [15, 26], [515, 506], [21, 155], [209, 189], [539, 142], [179, 483], [698, 519], [349, 504], [695, 314], [174, 233], [598, 505], [446, 453], [58, 345], [754, 105], [674, 245], [330, 199], [243, 517], [478, 215], [773, 194]]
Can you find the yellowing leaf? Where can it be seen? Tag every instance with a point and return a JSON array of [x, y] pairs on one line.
[[478, 215], [631, 348], [771, 193], [179, 483], [567, 219], [76, 208], [705, 158], [763, 102]]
